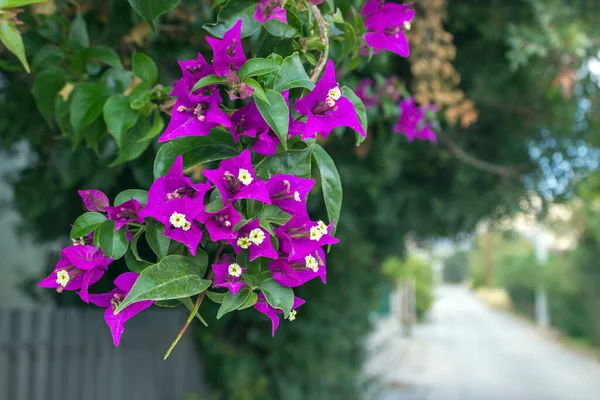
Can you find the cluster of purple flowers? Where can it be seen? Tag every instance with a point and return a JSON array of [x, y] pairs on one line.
[[386, 24]]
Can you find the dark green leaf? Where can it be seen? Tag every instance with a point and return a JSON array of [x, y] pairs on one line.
[[292, 29], [292, 75], [173, 277], [47, 56], [134, 264], [278, 296], [158, 124], [116, 80], [276, 113], [214, 205], [274, 215], [173, 303], [331, 185], [215, 297], [11, 38], [103, 54], [195, 150], [294, 162], [145, 68], [360, 111], [232, 301], [158, 242], [150, 10], [230, 13], [259, 92], [207, 81], [201, 261], [78, 35], [18, 3], [187, 302], [250, 301], [87, 103], [86, 223], [45, 89], [113, 243], [131, 144], [126, 195], [118, 115], [257, 67]]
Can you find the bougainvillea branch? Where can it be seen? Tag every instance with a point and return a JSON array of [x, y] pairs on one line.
[[323, 35]]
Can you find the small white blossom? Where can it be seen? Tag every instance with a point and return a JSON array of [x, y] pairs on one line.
[[315, 233], [244, 242], [178, 220], [245, 177], [186, 226], [62, 277], [257, 236], [334, 93], [297, 196], [407, 25], [311, 263], [235, 270], [322, 227], [292, 315]]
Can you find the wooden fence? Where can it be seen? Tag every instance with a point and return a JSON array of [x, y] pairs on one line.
[[67, 354]]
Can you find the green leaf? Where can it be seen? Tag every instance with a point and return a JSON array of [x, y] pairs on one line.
[[361, 111], [87, 103], [134, 264], [187, 302], [173, 277], [131, 143], [45, 89], [86, 223], [78, 35], [274, 215], [278, 296], [230, 13], [250, 301], [118, 115], [158, 124], [145, 68], [257, 67], [103, 54], [259, 92], [126, 195], [113, 243], [275, 113], [232, 301], [215, 297], [207, 81], [218, 145], [18, 3], [47, 56], [267, 226], [292, 75], [12, 40], [158, 242], [150, 10], [331, 184], [294, 162], [292, 29], [201, 261]]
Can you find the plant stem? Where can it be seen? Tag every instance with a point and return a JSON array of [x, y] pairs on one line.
[[325, 39], [196, 305]]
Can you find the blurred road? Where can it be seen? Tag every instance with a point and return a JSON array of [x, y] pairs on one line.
[[467, 351]]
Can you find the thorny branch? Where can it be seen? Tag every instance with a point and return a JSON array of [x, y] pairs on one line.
[[324, 39]]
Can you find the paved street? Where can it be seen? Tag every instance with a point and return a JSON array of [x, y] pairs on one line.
[[467, 351]]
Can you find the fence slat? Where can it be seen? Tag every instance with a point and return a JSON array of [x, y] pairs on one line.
[[4, 353], [41, 357], [23, 338]]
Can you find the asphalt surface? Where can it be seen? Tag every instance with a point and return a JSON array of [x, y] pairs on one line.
[[467, 351]]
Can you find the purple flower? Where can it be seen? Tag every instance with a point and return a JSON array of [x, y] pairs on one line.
[[180, 225], [247, 121], [412, 121], [266, 143], [125, 213], [220, 224], [79, 267], [270, 9], [235, 179], [264, 307], [227, 275], [94, 200], [386, 23], [391, 88], [228, 52], [426, 133], [195, 117], [237, 89], [295, 127], [254, 238], [289, 192], [326, 108], [293, 273], [172, 187], [111, 301], [193, 71], [361, 92], [300, 236]]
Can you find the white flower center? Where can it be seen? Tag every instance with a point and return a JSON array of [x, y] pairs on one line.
[[311, 263], [245, 177], [315, 233], [322, 227], [257, 236], [407, 25], [297, 196], [178, 220], [334, 94], [235, 270], [292, 315], [244, 242], [186, 226], [62, 277]]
